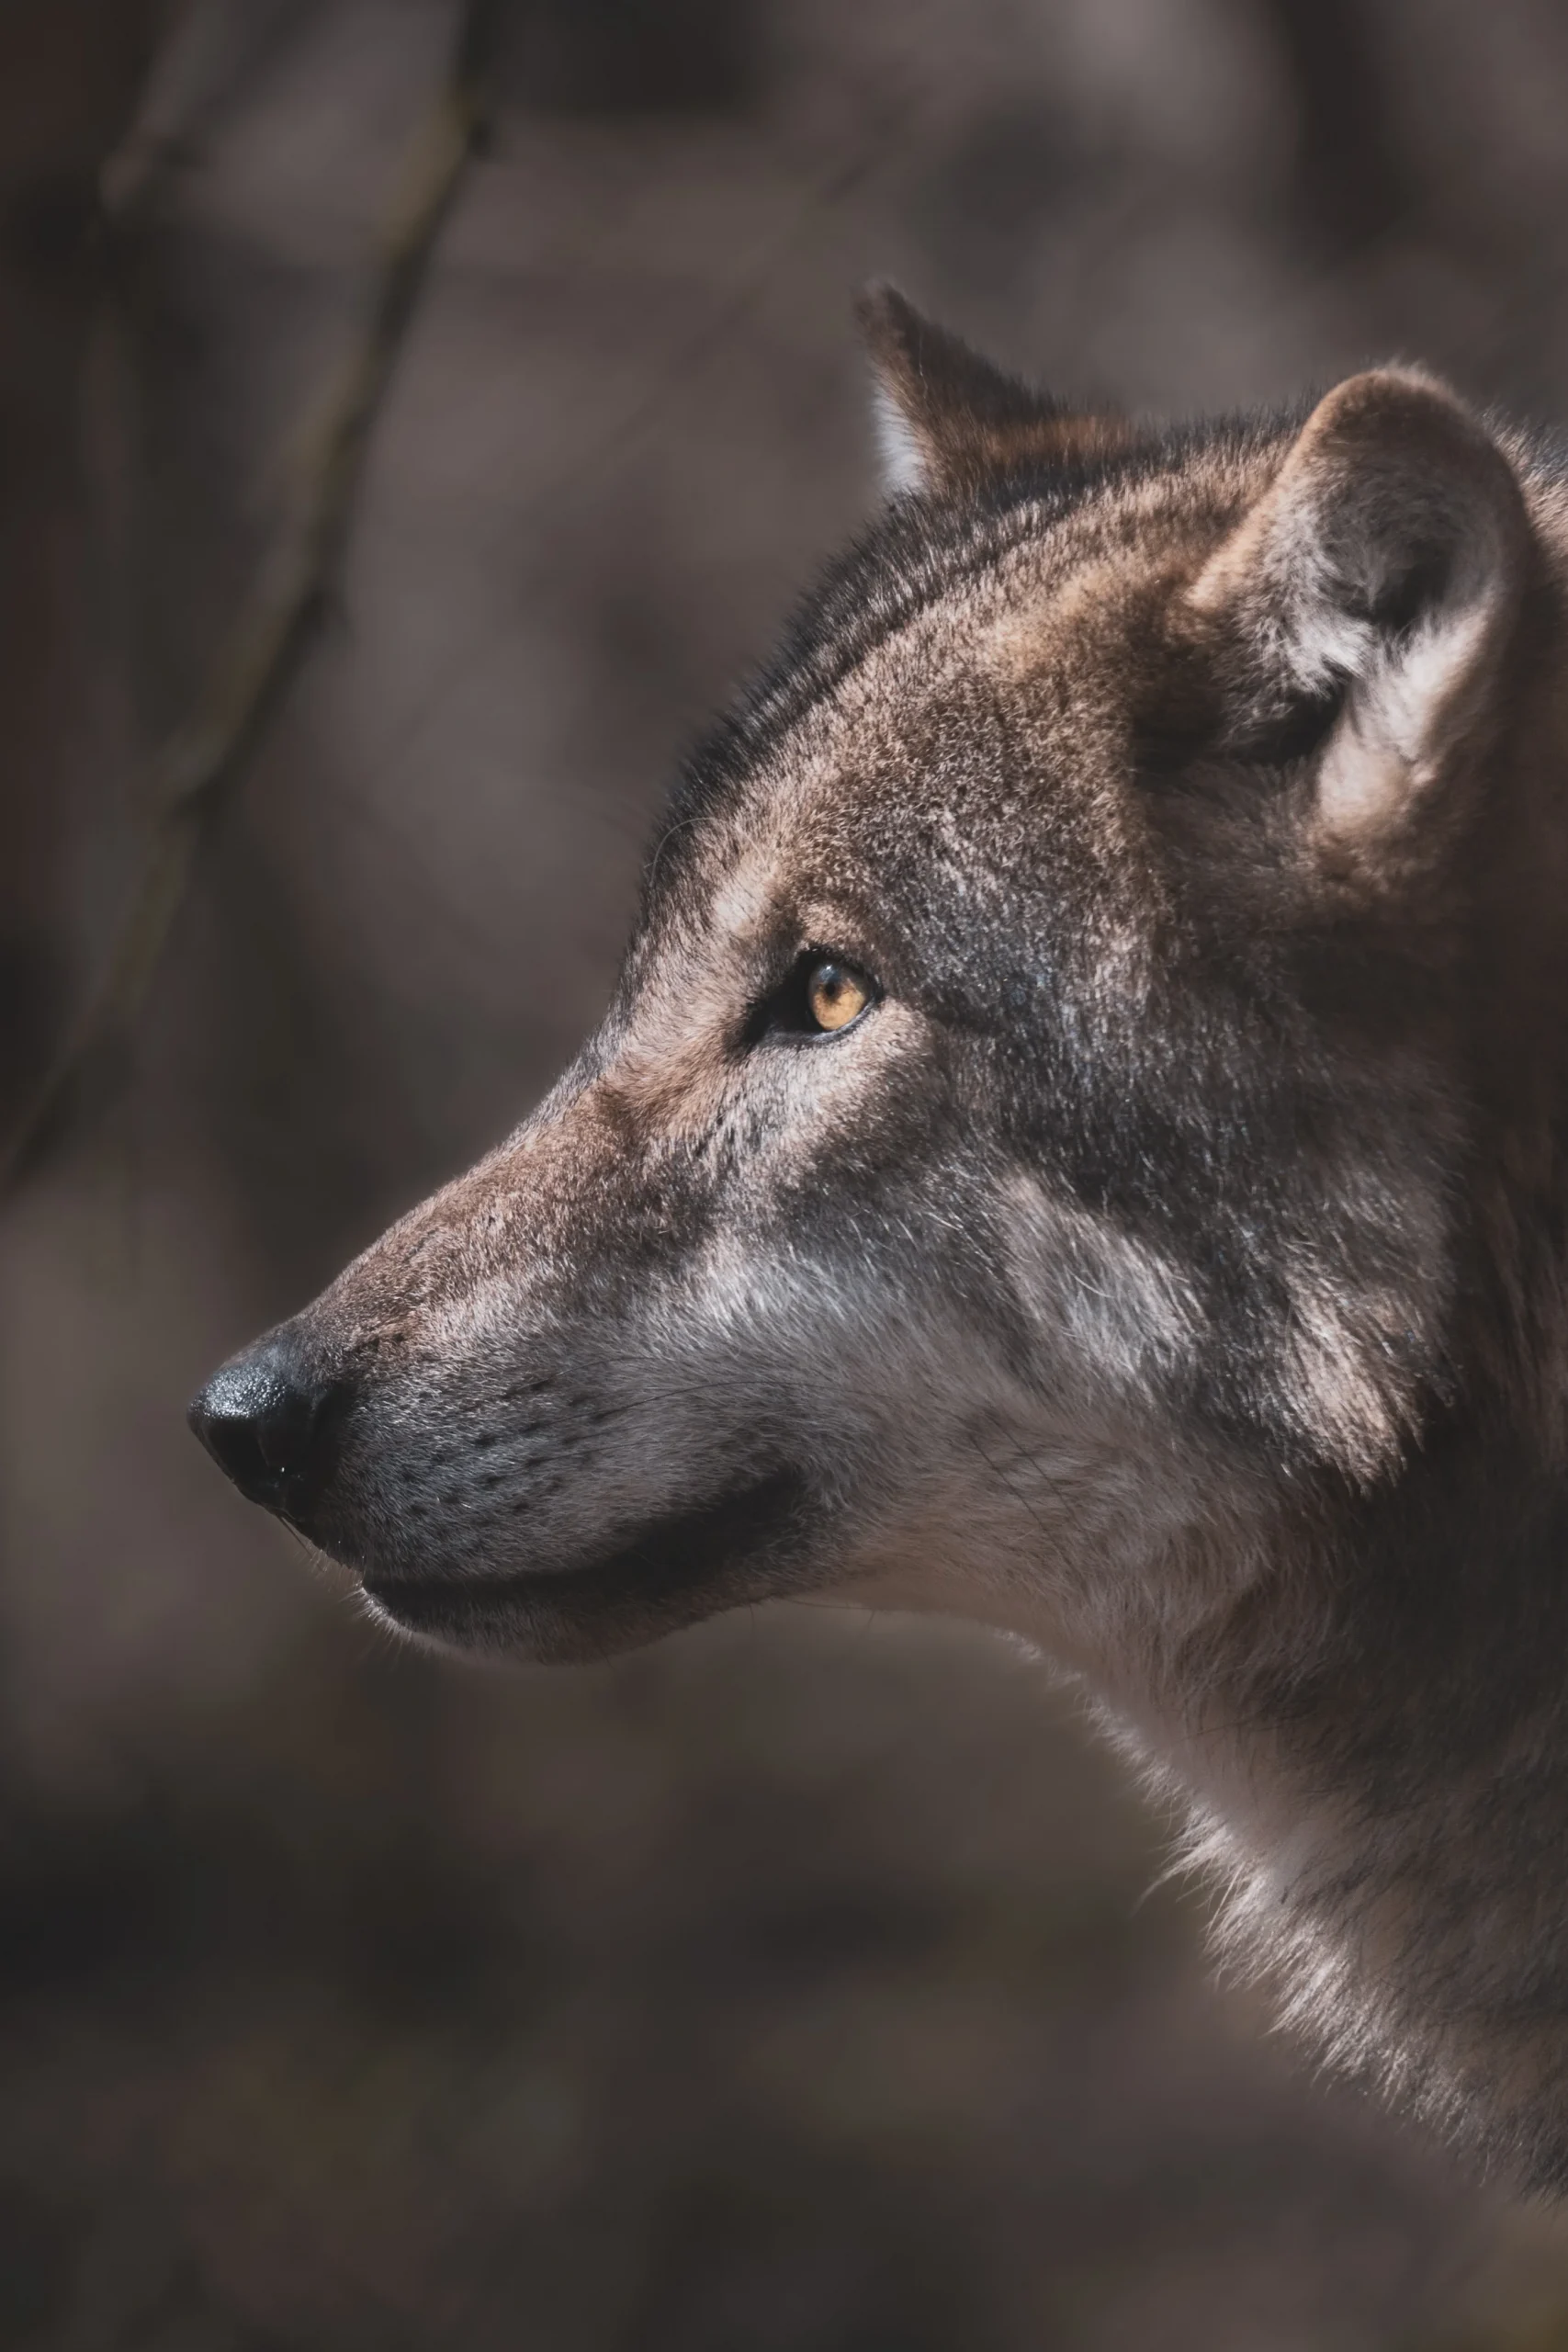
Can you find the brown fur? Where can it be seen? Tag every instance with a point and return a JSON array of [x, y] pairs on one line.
[[1170, 1266]]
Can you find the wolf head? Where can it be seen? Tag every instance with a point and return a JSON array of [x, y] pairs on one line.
[[1030, 1135], [1079, 1140]]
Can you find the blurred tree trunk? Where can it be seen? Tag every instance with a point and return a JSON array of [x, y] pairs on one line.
[[71, 72], [634, 56], [1353, 180]]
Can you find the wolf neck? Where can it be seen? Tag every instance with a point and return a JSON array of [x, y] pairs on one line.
[[1372, 1745], [1371, 1734]]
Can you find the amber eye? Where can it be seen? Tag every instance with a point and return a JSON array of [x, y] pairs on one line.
[[835, 995]]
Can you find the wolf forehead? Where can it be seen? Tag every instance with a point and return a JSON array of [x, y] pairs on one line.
[[969, 662]]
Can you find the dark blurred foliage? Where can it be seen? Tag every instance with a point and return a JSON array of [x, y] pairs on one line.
[[791, 1985], [638, 57]]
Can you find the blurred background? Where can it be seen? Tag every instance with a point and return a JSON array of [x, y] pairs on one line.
[[796, 1984]]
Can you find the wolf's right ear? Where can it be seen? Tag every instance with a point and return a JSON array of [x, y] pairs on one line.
[[947, 420], [1377, 579]]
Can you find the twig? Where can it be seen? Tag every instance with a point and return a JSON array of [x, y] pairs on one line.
[[198, 767], [605, 449], [179, 83]]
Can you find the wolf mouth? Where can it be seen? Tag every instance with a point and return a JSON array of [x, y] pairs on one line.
[[653, 1577]]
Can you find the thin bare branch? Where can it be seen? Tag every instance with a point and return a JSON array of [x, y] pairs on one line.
[[197, 768]]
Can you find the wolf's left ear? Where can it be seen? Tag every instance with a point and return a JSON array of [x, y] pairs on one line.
[[947, 420], [1379, 578]]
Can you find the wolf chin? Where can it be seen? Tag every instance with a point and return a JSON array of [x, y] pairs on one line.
[[1079, 1141]]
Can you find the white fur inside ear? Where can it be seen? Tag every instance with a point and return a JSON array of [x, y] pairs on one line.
[[904, 466], [1389, 744]]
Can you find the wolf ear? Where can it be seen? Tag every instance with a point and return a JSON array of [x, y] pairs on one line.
[[1377, 578], [947, 420]]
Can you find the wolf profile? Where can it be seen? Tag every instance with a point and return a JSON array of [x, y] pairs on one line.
[[1079, 1141]]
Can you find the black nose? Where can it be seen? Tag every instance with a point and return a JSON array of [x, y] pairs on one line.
[[267, 1418]]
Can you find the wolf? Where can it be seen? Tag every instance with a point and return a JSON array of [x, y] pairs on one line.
[[1078, 1142]]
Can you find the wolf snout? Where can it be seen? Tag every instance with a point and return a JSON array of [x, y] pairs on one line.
[[268, 1420]]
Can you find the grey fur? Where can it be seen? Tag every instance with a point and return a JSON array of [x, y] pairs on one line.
[[1169, 1265]]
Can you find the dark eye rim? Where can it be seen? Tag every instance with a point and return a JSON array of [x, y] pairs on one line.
[[784, 1014]]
